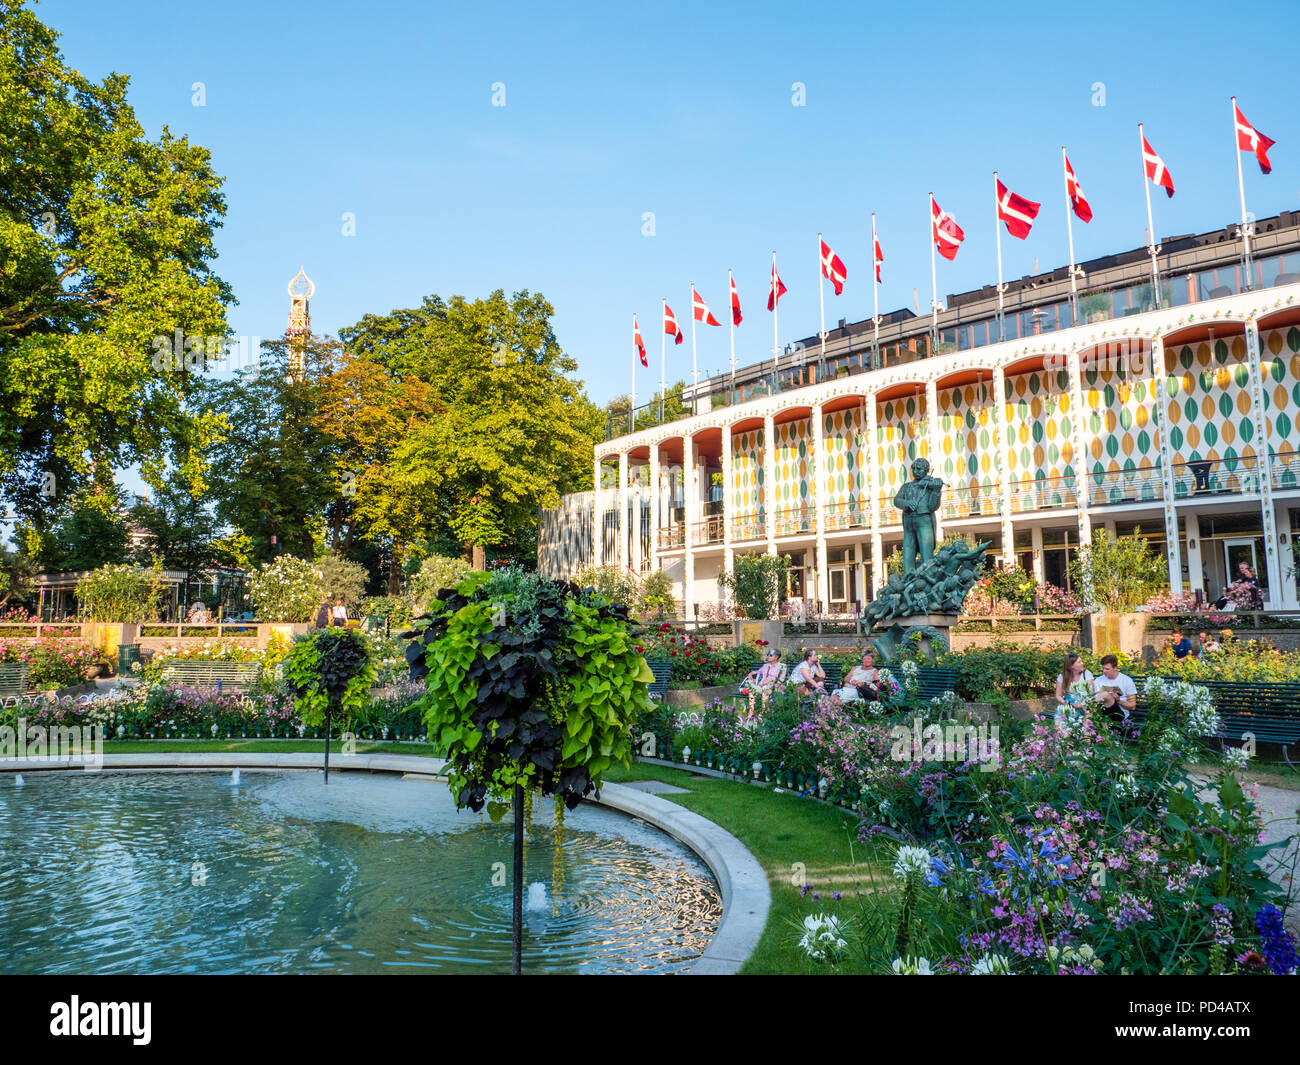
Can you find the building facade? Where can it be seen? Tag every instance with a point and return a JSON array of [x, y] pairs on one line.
[[1173, 413]]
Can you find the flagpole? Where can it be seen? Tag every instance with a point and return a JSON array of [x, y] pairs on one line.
[[636, 357], [731, 315], [776, 349], [821, 301], [695, 373], [1069, 229], [1151, 226], [875, 291], [663, 359], [1241, 188], [934, 286], [997, 232]]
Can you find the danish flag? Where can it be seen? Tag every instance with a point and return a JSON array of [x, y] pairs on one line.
[[701, 309], [1077, 199], [1155, 167], [1249, 139], [944, 231], [735, 302], [640, 344], [670, 324], [1016, 211], [877, 254], [777, 288], [832, 266]]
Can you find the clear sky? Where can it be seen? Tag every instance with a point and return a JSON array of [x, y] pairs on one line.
[[385, 109]]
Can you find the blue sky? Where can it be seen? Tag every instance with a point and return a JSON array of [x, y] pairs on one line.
[[684, 110]]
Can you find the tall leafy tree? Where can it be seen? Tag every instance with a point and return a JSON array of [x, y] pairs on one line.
[[105, 240], [180, 529], [513, 429]]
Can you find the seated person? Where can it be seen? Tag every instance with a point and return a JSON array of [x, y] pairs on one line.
[[769, 674], [1180, 645], [1115, 690], [1072, 673], [863, 682], [1208, 646], [809, 677]]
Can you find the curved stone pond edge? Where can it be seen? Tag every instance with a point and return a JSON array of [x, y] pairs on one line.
[[742, 881]]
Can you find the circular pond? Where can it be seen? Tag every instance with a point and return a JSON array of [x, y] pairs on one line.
[[192, 872]]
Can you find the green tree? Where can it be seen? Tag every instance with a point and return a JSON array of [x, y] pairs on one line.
[[105, 240], [1122, 572], [757, 583], [513, 431], [91, 534], [181, 529], [342, 578]]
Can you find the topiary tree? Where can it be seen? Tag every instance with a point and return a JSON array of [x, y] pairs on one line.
[[329, 669], [657, 595], [286, 590], [532, 685], [436, 571], [757, 583], [342, 578], [1118, 574]]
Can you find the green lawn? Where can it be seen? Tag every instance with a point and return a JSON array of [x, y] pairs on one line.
[[264, 747]]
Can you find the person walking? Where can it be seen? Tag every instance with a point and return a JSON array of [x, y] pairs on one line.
[[340, 614]]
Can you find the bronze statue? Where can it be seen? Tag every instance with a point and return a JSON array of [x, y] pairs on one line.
[[918, 499]]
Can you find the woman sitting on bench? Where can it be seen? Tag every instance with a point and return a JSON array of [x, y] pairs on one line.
[[809, 677]]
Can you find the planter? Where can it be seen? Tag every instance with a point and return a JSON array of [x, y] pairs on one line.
[[747, 631], [291, 629], [1119, 632]]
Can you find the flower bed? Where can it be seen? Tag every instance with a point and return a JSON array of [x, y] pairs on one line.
[[692, 659], [52, 662]]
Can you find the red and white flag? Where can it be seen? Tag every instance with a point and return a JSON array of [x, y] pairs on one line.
[[832, 266], [877, 255], [670, 325], [701, 309], [944, 231], [735, 304], [1016, 211], [1155, 167], [1078, 201], [1249, 139], [640, 344], [776, 289]]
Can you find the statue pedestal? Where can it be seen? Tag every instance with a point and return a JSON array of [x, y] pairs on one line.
[[889, 641]]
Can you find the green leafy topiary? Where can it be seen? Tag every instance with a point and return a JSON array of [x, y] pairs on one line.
[[329, 666]]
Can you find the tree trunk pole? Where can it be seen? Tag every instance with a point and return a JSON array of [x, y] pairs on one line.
[[517, 916], [328, 707]]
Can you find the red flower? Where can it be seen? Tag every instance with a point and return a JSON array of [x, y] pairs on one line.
[[640, 650], [673, 653], [665, 627]]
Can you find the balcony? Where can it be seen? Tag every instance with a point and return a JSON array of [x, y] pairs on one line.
[[849, 514], [1216, 477], [1286, 470], [1046, 493], [792, 521], [1142, 484], [672, 537], [751, 526], [971, 501], [713, 528]]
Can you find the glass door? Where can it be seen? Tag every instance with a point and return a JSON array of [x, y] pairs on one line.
[[1239, 552], [839, 576]]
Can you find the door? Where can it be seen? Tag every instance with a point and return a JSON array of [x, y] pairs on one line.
[[839, 579], [1237, 551]]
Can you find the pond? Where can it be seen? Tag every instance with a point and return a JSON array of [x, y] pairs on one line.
[[194, 873]]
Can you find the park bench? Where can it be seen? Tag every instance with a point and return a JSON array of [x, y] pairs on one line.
[[1269, 712], [13, 680], [662, 671], [224, 676], [933, 682]]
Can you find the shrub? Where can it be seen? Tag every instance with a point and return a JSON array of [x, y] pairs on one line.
[[285, 590], [52, 662], [1122, 572], [343, 579], [436, 573], [122, 594], [757, 584], [657, 596], [616, 584]]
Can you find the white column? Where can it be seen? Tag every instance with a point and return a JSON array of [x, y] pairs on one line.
[[691, 497], [622, 510], [1036, 542], [1194, 579], [637, 494], [654, 506], [728, 494], [1288, 564], [1156, 379], [1272, 560], [1001, 434], [936, 447], [819, 504], [598, 519], [769, 480], [873, 497], [1079, 443]]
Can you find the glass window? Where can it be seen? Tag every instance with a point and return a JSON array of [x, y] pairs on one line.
[[1268, 269], [963, 338], [1023, 539], [1205, 284], [1177, 290], [979, 334]]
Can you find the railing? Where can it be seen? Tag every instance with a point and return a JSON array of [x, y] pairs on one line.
[[1046, 493], [971, 501], [709, 531], [40, 628], [1216, 477], [195, 630], [672, 536], [752, 526], [1286, 469], [1019, 622], [791, 521], [848, 514], [889, 514], [1138, 485]]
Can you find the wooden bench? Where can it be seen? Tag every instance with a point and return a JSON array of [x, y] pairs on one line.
[[13, 679], [933, 682], [662, 671], [1269, 712], [224, 676]]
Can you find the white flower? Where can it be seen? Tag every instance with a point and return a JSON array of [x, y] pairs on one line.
[[911, 861], [1236, 758], [822, 939], [912, 967], [1126, 786], [991, 965]]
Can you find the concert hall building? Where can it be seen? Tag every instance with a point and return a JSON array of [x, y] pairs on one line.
[[1178, 420]]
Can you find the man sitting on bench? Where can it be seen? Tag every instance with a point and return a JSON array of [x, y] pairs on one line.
[[1115, 690]]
